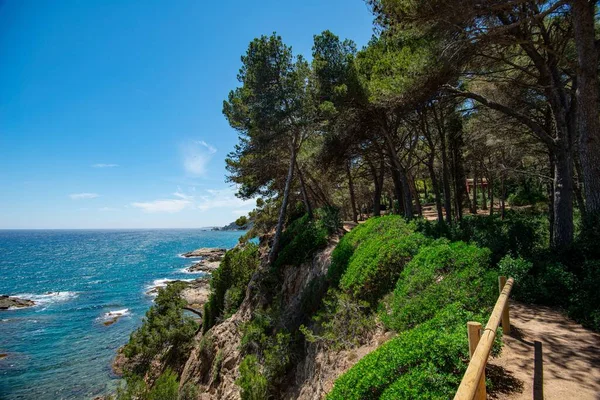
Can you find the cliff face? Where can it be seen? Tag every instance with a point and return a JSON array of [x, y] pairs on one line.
[[214, 362]]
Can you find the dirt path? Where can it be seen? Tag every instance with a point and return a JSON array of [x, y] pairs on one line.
[[546, 356]]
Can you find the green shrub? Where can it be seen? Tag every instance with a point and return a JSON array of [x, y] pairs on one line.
[[441, 274], [252, 383], [422, 382], [585, 301], [519, 234], [378, 229], [165, 328], [165, 387], [543, 282], [300, 240], [228, 283], [134, 388], [342, 323], [189, 391], [439, 345], [376, 265], [527, 195], [329, 218]]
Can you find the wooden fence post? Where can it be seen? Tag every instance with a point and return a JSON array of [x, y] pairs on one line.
[[474, 333], [505, 312]]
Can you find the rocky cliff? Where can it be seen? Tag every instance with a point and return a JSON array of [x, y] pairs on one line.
[[214, 362]]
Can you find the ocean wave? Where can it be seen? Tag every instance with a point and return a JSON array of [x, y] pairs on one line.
[[187, 271], [116, 314], [151, 290], [49, 297]]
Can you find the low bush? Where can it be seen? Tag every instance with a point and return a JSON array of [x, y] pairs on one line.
[[543, 282], [585, 301], [252, 383], [189, 391], [399, 368], [164, 388], [520, 233], [440, 274], [343, 322], [271, 348], [379, 229], [300, 240], [376, 265], [228, 283], [164, 329]]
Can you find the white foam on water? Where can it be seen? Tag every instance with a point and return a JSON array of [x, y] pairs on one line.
[[161, 283], [187, 271], [46, 298], [116, 313]]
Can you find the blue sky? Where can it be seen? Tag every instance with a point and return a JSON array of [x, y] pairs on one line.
[[110, 111]]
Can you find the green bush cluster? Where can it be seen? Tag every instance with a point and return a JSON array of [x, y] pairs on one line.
[[343, 322], [440, 274], [252, 383], [527, 195], [377, 263], [270, 352], [164, 388], [425, 362], [228, 283], [376, 231], [165, 329], [520, 233], [303, 237]]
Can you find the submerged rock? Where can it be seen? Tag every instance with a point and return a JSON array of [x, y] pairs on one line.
[[7, 302], [207, 253]]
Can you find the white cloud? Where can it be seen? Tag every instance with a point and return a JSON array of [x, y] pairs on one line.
[[82, 196], [179, 193], [208, 200], [196, 156], [105, 165], [222, 198], [108, 209], [168, 206]]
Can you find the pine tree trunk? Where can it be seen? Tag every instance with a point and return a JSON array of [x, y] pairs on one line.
[[282, 210], [307, 205], [474, 205], [484, 205], [436, 188], [491, 194], [408, 206], [351, 188], [415, 194], [587, 101], [502, 198], [563, 199], [446, 179], [398, 190]]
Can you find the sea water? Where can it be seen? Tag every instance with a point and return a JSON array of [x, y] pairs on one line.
[[60, 348]]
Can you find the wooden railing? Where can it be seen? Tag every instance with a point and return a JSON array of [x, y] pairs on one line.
[[472, 386]]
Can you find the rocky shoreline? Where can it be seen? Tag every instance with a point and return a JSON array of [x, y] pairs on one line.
[[211, 259], [195, 293], [8, 302]]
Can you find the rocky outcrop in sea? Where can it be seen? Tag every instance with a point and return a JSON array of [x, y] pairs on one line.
[[8, 302]]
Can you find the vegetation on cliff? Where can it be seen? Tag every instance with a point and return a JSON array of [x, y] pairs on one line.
[[468, 110]]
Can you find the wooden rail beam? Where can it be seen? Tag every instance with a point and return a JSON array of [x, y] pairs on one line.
[[475, 374]]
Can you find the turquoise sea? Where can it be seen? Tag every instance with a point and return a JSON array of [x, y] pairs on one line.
[[60, 349]]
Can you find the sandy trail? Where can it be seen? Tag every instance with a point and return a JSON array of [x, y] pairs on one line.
[[546, 356]]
